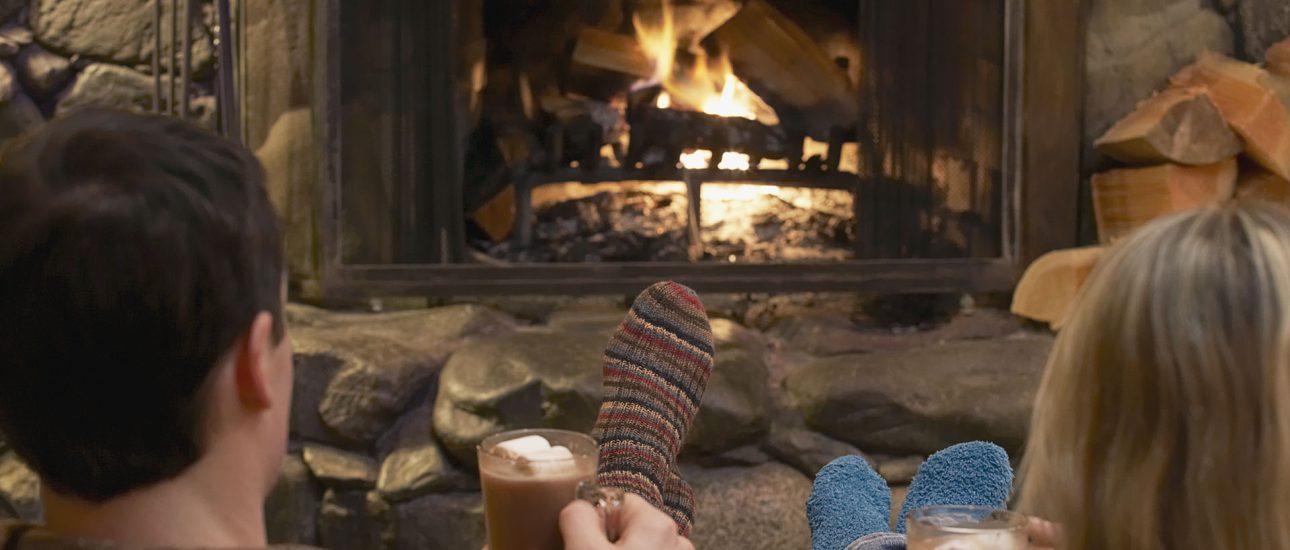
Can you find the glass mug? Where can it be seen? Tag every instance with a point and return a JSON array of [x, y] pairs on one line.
[[523, 500], [965, 528]]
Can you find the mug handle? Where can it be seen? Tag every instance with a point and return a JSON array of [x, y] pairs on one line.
[[609, 504]]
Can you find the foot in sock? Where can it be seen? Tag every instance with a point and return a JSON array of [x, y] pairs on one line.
[[678, 502], [656, 370], [976, 473], [848, 500]]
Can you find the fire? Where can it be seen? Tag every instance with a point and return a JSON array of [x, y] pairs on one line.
[[701, 159], [707, 84], [696, 160]]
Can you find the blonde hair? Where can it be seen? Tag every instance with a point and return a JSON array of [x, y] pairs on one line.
[[1163, 419]]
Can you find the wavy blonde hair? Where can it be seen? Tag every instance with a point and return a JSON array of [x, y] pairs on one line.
[[1163, 419]]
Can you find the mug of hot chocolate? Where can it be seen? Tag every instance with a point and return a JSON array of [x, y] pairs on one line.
[[529, 476]]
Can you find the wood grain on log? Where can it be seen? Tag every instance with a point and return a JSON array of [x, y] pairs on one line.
[[784, 64], [1248, 103], [612, 52], [1179, 125], [1050, 285], [1126, 199]]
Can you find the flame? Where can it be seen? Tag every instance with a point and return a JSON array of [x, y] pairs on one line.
[[707, 84], [696, 160], [701, 159], [734, 161]]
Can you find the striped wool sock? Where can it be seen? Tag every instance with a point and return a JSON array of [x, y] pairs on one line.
[[656, 369], [678, 502]]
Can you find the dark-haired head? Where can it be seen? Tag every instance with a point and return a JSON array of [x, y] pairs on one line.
[[136, 252]]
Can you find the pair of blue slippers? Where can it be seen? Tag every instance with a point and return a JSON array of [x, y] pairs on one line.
[[850, 500]]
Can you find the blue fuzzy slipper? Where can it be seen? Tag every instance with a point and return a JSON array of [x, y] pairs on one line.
[[848, 500], [976, 473]]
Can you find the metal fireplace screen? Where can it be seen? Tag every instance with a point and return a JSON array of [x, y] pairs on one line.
[[585, 145]]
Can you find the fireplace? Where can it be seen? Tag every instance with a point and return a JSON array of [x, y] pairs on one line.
[[579, 146]]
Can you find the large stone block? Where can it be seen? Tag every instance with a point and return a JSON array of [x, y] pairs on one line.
[[825, 335], [377, 382], [41, 71], [806, 450], [1263, 23], [376, 364], [526, 380], [339, 469], [291, 511], [18, 113], [414, 463], [441, 522], [760, 508], [920, 401], [107, 85], [736, 404], [1134, 46], [120, 31]]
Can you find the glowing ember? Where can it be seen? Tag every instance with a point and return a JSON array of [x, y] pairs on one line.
[[664, 101], [701, 159], [696, 160], [734, 161]]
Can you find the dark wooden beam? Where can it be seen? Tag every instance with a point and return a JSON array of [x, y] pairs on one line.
[[1051, 121], [879, 276]]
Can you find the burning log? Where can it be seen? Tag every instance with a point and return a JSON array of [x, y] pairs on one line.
[[612, 52], [673, 131], [1249, 104], [1049, 286], [789, 68], [1176, 125], [1124, 200]]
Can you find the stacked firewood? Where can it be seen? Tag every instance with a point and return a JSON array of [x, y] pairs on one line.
[[1220, 129]]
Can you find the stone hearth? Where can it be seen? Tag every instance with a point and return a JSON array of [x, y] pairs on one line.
[[389, 406]]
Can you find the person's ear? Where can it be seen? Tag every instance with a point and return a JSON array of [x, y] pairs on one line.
[[252, 364]]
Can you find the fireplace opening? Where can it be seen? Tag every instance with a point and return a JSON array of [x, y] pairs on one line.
[[723, 131]]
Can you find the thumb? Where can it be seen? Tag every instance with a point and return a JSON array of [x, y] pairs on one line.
[[582, 528]]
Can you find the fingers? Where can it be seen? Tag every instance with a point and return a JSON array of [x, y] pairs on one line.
[[1043, 534], [581, 527], [645, 526]]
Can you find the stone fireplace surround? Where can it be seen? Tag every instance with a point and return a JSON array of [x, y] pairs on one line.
[[388, 404]]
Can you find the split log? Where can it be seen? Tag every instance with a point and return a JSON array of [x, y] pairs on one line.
[[1258, 183], [612, 52], [788, 68], [1278, 58], [1249, 105], [1126, 199], [1050, 285], [1177, 125]]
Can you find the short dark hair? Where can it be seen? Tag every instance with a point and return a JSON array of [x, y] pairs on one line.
[[134, 252]]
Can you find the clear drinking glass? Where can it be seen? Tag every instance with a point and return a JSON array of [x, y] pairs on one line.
[[965, 528], [523, 500]]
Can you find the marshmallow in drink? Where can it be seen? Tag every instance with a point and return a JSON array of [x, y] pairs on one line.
[[520, 447], [537, 455]]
